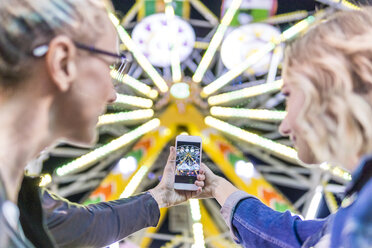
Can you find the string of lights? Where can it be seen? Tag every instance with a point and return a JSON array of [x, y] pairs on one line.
[[197, 226], [256, 114], [135, 84], [103, 151], [134, 101], [245, 93], [267, 144], [125, 117]]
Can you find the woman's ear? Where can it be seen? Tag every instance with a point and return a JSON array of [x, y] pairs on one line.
[[61, 62]]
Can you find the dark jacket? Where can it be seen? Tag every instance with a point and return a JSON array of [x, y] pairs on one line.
[[75, 225]]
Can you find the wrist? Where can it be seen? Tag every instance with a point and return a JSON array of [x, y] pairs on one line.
[[217, 185], [157, 194], [223, 190]]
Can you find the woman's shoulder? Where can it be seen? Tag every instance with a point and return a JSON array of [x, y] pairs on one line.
[[359, 221], [364, 197]]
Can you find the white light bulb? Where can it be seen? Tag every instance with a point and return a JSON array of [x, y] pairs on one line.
[[244, 169]]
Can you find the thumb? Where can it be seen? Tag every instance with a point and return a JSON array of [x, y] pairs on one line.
[[170, 166]]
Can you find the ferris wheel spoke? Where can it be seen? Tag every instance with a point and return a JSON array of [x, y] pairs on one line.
[[287, 17], [135, 84], [138, 55], [257, 56], [90, 158], [197, 225], [236, 167], [132, 12], [280, 150], [340, 4], [237, 95], [133, 101], [216, 41], [255, 114], [238, 70], [137, 162], [274, 64], [208, 15], [125, 117], [174, 53]]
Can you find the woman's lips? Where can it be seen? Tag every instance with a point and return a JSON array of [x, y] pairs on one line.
[[293, 138]]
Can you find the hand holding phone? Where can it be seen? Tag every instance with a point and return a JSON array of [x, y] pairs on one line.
[[188, 159], [165, 193]]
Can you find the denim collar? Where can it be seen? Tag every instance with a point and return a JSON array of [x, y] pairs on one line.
[[360, 176]]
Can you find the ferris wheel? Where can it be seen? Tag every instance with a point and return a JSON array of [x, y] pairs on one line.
[[218, 78]]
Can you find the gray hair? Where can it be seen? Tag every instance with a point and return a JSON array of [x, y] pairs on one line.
[[25, 24]]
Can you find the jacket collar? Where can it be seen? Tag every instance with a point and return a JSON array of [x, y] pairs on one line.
[[360, 176]]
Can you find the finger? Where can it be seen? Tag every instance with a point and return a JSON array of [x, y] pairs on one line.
[[188, 194], [198, 191], [199, 183], [193, 193], [182, 192], [201, 173], [207, 171], [201, 177]]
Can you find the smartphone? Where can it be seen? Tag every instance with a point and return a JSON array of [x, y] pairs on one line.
[[188, 159]]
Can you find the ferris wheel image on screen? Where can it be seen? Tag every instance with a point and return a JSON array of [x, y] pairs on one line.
[[187, 160]]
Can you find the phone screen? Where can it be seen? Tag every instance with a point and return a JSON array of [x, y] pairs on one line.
[[187, 161]]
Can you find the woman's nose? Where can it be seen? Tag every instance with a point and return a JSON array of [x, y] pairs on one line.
[[112, 96]]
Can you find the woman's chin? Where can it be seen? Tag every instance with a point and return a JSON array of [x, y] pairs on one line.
[[84, 139], [307, 157]]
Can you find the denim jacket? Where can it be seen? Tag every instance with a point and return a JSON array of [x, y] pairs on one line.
[[253, 224]]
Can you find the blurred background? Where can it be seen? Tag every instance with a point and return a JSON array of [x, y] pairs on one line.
[[210, 68]]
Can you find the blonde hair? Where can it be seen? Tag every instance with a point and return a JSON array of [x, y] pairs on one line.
[[332, 65], [25, 24]]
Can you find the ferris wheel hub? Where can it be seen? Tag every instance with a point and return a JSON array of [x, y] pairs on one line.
[[180, 90]]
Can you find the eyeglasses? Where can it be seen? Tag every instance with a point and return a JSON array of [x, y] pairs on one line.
[[121, 67]]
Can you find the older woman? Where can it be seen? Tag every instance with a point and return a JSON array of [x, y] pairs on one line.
[[55, 58], [328, 85]]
